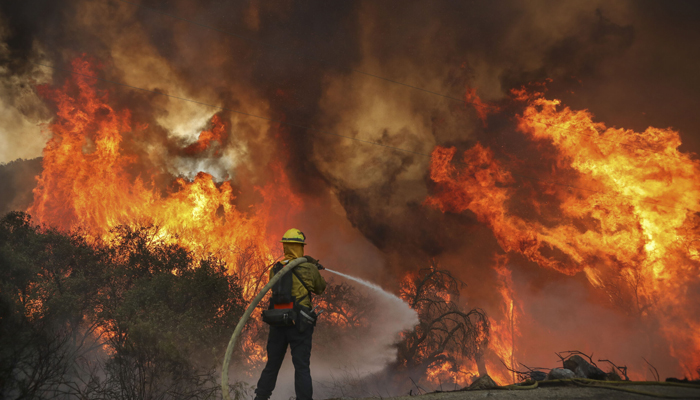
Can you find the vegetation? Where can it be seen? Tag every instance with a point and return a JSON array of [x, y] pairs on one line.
[[135, 319], [445, 333], [140, 318]]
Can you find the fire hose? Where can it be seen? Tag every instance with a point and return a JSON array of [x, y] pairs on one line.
[[244, 319], [580, 382]]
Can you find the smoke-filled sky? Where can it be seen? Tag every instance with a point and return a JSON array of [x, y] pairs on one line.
[[633, 64]]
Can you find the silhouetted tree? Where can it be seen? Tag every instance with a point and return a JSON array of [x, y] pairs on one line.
[[445, 332]]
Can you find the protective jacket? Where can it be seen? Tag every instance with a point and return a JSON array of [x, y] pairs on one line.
[[312, 278]]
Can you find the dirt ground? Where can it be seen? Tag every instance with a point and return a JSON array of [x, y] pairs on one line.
[[564, 392]]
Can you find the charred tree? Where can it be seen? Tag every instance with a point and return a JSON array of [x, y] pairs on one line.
[[446, 333]]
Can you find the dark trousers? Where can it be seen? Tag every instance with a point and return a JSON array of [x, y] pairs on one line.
[[300, 344]]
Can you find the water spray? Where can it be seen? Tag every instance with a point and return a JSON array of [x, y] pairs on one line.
[[387, 295], [388, 316]]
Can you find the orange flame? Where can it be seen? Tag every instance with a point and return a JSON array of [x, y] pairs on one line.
[[504, 330], [87, 183], [482, 109], [216, 134], [447, 372], [632, 229], [649, 228]]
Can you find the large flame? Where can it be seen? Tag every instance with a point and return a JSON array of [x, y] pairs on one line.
[[88, 182], [505, 330], [626, 219]]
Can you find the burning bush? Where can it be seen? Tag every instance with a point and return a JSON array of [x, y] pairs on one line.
[[345, 307], [138, 318], [446, 337]]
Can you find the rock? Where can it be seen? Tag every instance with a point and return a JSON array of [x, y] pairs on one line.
[[561, 373], [583, 369], [483, 382], [538, 375]]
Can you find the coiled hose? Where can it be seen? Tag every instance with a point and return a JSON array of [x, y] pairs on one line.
[[244, 319]]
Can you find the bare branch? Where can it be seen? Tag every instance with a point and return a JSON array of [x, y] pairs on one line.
[[652, 369], [622, 369]]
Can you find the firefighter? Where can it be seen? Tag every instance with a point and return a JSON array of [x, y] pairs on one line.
[[291, 318]]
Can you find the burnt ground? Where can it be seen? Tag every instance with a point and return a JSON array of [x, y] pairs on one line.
[[565, 392]]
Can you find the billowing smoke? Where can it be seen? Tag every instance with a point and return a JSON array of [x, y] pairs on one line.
[[632, 63]]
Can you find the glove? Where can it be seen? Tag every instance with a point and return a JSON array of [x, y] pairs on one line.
[[311, 260], [320, 267]]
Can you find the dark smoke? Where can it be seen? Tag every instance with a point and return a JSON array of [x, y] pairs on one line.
[[18, 181]]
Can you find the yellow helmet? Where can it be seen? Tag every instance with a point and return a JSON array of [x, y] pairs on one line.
[[294, 236]]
